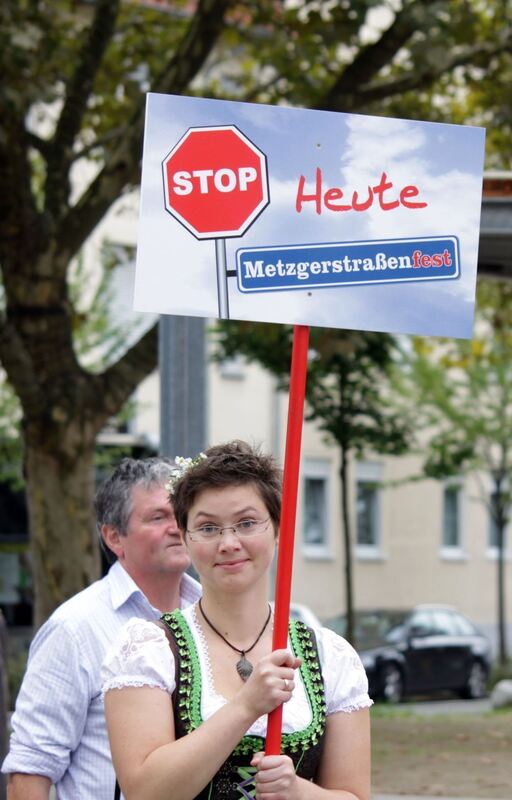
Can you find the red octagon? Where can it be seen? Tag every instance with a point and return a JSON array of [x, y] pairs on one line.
[[215, 182]]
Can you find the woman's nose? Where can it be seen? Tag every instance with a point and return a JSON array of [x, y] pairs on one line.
[[229, 538]]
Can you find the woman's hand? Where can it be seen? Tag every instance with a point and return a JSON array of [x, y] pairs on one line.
[[271, 683], [275, 778]]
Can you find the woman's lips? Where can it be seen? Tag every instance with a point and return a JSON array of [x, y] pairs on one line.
[[231, 564]]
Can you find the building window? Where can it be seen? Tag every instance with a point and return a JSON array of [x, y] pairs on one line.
[[232, 368], [451, 516], [367, 514], [316, 508], [368, 509], [452, 522], [314, 511]]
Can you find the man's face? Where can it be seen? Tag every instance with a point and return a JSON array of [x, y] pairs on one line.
[[152, 544]]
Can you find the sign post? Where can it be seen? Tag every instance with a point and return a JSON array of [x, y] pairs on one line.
[[298, 375], [216, 185]]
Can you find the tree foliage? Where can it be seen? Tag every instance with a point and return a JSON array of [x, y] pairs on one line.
[[72, 93], [463, 393]]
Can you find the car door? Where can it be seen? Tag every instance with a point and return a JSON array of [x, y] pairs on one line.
[[422, 652], [439, 652], [457, 650]]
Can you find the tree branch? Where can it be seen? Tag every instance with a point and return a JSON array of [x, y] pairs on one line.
[[78, 92], [42, 145], [101, 141], [119, 381], [18, 211], [343, 94], [425, 77], [122, 167]]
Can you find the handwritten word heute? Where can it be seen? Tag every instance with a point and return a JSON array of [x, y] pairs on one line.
[[331, 198]]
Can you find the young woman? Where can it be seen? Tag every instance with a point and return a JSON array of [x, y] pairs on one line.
[[187, 718]]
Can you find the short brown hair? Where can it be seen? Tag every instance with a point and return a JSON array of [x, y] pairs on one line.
[[235, 463]]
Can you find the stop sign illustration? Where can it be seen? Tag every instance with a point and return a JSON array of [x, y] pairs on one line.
[[215, 182]]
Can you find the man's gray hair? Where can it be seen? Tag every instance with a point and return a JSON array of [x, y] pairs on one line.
[[113, 503]]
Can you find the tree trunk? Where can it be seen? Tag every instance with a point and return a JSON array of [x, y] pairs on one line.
[[498, 511], [502, 626], [349, 592], [502, 629], [65, 550]]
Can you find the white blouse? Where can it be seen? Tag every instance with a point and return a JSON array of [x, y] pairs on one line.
[[141, 656]]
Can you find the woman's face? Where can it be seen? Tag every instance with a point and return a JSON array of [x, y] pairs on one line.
[[231, 561]]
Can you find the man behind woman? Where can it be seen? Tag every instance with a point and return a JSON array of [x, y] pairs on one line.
[[59, 736], [196, 728]]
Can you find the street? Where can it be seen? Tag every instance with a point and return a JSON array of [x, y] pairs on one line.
[[447, 706]]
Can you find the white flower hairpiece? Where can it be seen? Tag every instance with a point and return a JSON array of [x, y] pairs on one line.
[[182, 466]]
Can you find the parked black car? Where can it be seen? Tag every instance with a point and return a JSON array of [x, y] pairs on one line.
[[420, 651]]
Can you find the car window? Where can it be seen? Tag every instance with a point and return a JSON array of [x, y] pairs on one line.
[[369, 626], [463, 626], [379, 625], [422, 623], [444, 623], [396, 634], [337, 624], [373, 626]]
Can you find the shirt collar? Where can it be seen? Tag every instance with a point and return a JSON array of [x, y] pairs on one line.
[[190, 590], [123, 587]]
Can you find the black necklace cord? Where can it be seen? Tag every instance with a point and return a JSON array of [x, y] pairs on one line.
[[244, 666]]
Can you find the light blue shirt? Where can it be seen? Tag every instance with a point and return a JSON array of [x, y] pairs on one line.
[[59, 726]]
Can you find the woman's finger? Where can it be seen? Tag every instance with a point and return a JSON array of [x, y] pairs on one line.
[[284, 658]]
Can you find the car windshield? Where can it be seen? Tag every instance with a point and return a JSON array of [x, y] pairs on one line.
[[373, 627], [380, 625]]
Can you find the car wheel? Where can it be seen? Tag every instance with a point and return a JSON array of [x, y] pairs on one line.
[[476, 684], [392, 683]]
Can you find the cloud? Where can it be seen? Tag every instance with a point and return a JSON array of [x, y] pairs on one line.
[[373, 142]]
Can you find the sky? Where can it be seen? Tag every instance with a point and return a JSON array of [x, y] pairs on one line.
[[176, 272]]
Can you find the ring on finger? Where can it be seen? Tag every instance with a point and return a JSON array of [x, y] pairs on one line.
[[285, 684]]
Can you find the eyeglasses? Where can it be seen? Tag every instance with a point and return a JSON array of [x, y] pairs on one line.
[[243, 529]]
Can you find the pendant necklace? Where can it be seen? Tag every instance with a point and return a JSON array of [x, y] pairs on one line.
[[244, 666]]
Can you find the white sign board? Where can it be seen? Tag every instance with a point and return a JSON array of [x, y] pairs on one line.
[[275, 214]]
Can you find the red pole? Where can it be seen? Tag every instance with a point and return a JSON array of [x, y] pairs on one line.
[[298, 375]]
